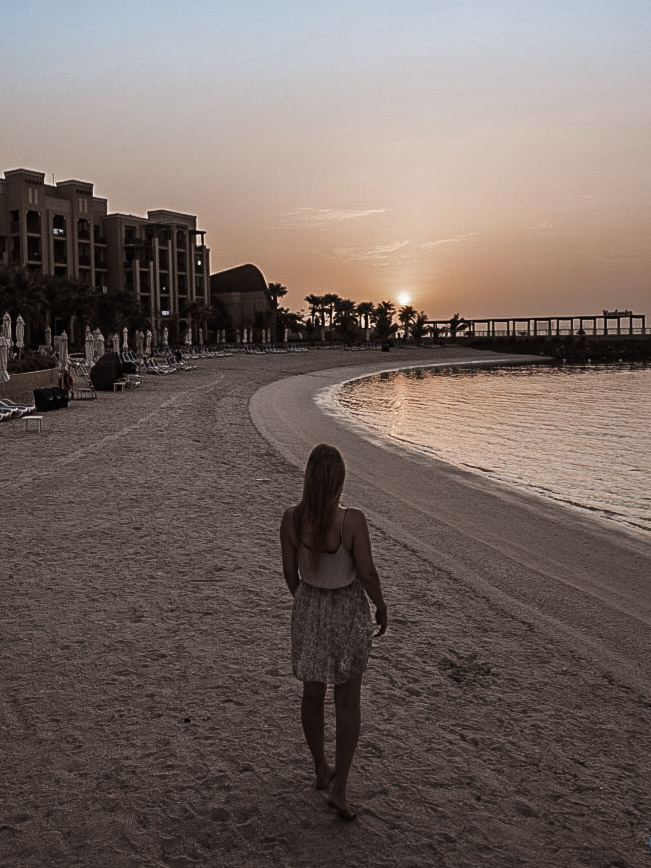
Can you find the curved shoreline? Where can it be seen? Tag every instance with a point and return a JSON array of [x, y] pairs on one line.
[[327, 400], [499, 539]]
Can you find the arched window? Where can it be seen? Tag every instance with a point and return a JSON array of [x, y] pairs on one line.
[[59, 226]]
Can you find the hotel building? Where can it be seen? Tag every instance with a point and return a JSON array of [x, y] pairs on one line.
[[63, 229]]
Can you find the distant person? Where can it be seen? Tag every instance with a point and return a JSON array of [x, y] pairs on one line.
[[328, 565]]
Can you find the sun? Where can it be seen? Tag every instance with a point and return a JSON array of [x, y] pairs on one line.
[[403, 298]]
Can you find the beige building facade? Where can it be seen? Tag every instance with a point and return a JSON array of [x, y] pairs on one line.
[[63, 229]]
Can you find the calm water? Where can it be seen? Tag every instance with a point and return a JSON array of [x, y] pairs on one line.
[[579, 435]]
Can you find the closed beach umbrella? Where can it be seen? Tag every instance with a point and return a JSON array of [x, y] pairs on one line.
[[6, 327], [116, 342], [200, 337], [148, 338], [4, 355], [125, 339], [245, 336], [188, 337], [223, 336], [140, 338], [237, 336], [286, 335], [165, 336], [20, 335], [89, 346], [48, 336], [63, 350], [98, 339]]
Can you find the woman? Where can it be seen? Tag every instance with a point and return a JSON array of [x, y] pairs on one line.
[[328, 565]]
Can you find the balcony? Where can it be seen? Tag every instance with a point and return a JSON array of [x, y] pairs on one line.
[[14, 228], [83, 235], [84, 260], [99, 239]]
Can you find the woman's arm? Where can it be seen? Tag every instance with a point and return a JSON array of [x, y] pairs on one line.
[[368, 574], [289, 551]]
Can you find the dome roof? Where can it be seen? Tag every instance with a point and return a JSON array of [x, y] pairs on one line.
[[243, 278]]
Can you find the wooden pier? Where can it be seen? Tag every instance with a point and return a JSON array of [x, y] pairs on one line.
[[608, 322]]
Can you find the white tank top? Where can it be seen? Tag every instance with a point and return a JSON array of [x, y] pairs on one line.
[[335, 569]]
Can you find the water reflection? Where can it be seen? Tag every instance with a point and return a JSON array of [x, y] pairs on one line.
[[577, 434]]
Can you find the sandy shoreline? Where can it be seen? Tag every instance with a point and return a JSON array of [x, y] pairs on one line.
[[148, 712]]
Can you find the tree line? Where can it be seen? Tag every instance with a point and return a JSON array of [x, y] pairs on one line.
[[58, 302]]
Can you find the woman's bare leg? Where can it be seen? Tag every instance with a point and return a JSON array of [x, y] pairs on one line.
[[312, 719], [347, 706]]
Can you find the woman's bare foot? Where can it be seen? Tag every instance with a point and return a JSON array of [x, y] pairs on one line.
[[343, 808], [324, 777]]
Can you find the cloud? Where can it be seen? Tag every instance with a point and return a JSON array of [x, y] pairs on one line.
[[455, 240], [316, 216], [378, 253]]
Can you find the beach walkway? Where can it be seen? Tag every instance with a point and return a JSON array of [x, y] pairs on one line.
[[148, 714]]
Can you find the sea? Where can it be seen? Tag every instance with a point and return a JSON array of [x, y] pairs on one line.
[[578, 435]]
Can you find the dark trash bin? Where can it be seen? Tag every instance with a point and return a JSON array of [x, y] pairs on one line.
[[50, 398]]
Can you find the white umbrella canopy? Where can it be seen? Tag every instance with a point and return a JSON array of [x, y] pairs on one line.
[[6, 327], [165, 336], [140, 338], [48, 336], [63, 350], [4, 356], [89, 346], [125, 339], [148, 338], [116, 342]]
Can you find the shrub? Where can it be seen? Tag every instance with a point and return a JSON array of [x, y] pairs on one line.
[[31, 362]]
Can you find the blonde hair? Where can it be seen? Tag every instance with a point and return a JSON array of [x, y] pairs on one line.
[[322, 486]]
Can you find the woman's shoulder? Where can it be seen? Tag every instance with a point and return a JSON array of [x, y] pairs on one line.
[[288, 515], [354, 517]]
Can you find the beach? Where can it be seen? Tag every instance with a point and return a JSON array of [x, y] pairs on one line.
[[148, 710]]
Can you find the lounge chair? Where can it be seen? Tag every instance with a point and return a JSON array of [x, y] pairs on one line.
[[14, 412], [12, 405]]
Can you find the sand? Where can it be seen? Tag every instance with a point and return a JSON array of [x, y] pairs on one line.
[[148, 712]]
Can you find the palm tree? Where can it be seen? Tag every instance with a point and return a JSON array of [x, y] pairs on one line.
[[384, 327], [346, 320], [289, 320], [419, 328], [197, 313], [365, 309], [456, 324], [315, 302], [330, 301], [273, 292], [72, 299], [406, 315], [21, 292]]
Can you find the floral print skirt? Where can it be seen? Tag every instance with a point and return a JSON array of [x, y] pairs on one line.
[[332, 633]]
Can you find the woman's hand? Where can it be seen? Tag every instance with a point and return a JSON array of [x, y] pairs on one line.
[[382, 620]]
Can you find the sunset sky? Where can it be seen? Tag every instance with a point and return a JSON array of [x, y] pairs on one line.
[[491, 158]]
